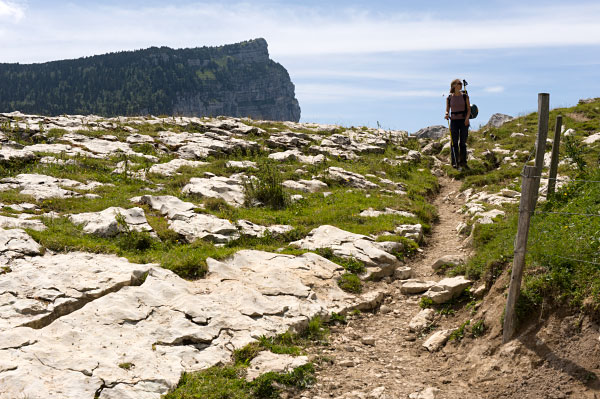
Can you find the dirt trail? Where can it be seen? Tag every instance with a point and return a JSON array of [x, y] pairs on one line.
[[393, 364]]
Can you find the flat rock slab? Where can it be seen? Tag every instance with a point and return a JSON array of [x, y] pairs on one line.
[[372, 213], [308, 186], [267, 362], [447, 289], [255, 230], [16, 243], [345, 244], [40, 289], [193, 226], [416, 286], [167, 205], [170, 168], [42, 187], [23, 221], [102, 146], [165, 326], [226, 188], [347, 178], [106, 224], [13, 154], [241, 165]]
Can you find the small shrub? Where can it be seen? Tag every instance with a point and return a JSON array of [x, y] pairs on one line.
[[244, 355], [267, 188], [337, 318], [478, 328], [316, 330], [350, 283], [126, 366], [217, 204], [425, 302], [459, 333]]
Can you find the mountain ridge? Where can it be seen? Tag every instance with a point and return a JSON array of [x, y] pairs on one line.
[[234, 80]]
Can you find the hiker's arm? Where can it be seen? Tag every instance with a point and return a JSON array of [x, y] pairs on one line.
[[447, 116]]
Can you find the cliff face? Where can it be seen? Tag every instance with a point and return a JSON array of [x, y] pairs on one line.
[[261, 90], [234, 80]]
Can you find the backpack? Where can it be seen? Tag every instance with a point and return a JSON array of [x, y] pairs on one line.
[[474, 109]]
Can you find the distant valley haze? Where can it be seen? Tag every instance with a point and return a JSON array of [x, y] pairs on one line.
[[352, 63]]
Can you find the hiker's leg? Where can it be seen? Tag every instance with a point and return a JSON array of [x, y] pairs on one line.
[[454, 136], [464, 135]]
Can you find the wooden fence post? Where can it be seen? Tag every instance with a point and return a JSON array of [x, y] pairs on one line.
[[530, 176], [554, 161], [540, 144]]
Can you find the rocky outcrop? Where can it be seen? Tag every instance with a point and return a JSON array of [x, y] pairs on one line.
[[498, 120], [431, 132]]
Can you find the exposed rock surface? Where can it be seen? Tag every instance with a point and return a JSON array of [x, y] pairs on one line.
[[160, 328], [229, 189], [308, 186], [351, 179], [43, 187], [448, 288], [498, 120], [23, 221], [379, 263], [171, 167], [432, 132], [106, 223], [267, 362]]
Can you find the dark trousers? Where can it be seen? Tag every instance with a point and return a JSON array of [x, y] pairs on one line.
[[459, 134]]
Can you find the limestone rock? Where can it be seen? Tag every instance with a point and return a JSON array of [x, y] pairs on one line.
[[16, 243], [229, 189], [498, 120], [43, 187], [241, 164], [288, 140], [105, 223], [431, 132], [12, 154], [591, 139], [437, 340], [422, 320], [308, 186], [41, 289], [403, 273], [266, 362], [167, 205], [352, 179], [451, 260], [448, 288], [203, 226], [416, 286], [171, 167], [387, 211], [252, 229], [24, 221], [412, 231], [349, 245]]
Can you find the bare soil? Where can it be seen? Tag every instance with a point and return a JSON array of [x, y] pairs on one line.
[[375, 356]]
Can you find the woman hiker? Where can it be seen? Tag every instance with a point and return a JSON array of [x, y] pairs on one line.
[[458, 111]]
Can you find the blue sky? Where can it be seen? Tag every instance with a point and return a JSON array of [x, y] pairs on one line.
[[353, 62]]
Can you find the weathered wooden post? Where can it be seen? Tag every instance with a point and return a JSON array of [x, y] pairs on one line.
[[540, 143], [530, 176], [554, 160]]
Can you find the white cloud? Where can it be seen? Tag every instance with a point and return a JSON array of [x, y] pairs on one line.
[[291, 30], [494, 89], [11, 10]]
